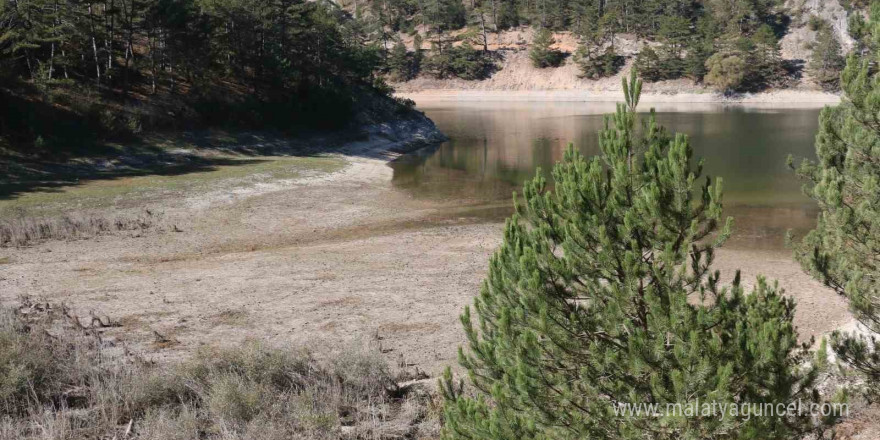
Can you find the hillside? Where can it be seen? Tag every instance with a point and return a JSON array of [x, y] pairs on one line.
[[797, 25], [76, 79]]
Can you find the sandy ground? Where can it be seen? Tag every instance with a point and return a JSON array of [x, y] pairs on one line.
[[322, 260]]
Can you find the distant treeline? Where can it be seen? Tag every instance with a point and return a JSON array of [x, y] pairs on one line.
[[124, 64], [731, 44]]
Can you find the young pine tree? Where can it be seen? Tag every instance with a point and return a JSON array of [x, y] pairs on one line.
[[765, 58], [602, 294], [844, 250], [399, 62], [649, 65], [595, 65], [542, 53], [827, 60]]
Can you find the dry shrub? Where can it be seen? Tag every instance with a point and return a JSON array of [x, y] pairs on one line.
[[22, 231], [62, 381]]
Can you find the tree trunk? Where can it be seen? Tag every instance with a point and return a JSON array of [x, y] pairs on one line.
[[94, 46], [485, 37]]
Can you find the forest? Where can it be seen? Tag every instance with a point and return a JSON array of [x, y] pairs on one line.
[[74, 69], [730, 45]]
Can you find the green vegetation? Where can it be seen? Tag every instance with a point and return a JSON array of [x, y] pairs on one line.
[[603, 293], [594, 65], [59, 381], [726, 71], [843, 250], [542, 52], [649, 65], [462, 61], [401, 64], [79, 73], [743, 34], [827, 60]]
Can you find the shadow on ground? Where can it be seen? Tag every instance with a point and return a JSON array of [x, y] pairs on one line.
[[164, 155]]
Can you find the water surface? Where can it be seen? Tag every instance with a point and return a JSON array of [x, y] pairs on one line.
[[495, 146]]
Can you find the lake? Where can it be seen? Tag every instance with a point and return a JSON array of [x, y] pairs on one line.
[[495, 146]]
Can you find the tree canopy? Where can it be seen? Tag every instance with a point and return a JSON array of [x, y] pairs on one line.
[[844, 250], [251, 62], [603, 294]]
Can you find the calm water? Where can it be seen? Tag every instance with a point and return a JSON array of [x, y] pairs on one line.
[[495, 146]]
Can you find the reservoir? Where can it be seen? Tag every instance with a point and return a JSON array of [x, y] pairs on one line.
[[494, 147]]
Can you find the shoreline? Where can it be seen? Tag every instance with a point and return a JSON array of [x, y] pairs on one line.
[[776, 98], [190, 152]]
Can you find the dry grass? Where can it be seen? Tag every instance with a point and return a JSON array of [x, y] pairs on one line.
[[230, 318], [23, 231], [60, 380]]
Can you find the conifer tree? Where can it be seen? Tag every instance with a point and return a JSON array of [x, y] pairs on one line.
[[649, 65], [399, 62], [765, 57], [593, 64], [844, 250], [826, 61], [542, 53], [602, 293]]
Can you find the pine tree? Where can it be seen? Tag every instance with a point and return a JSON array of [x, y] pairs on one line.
[[826, 62], [648, 64], [674, 32], [542, 53], [508, 14], [399, 62], [602, 293], [765, 58], [843, 250], [695, 61], [26, 27], [593, 64]]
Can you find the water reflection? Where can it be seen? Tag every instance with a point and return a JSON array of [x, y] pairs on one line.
[[494, 147]]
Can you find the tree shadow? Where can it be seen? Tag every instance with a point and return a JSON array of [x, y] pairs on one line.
[[780, 23], [31, 177], [794, 69], [202, 151]]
